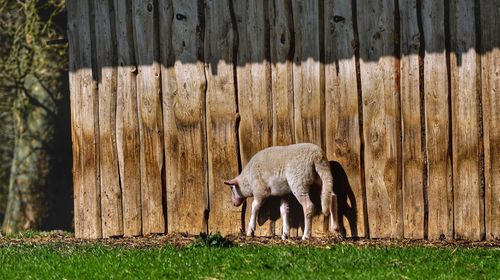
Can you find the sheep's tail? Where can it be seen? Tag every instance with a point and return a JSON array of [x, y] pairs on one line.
[[323, 169], [328, 198]]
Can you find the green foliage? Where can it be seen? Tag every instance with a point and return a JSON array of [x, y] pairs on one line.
[[25, 28], [63, 261], [211, 240]]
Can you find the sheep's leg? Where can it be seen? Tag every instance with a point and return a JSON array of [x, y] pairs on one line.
[[308, 208], [334, 226], [257, 202], [284, 209]]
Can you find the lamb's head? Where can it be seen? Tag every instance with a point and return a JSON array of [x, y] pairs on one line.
[[236, 195]]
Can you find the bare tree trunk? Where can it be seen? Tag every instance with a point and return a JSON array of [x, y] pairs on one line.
[[34, 111]]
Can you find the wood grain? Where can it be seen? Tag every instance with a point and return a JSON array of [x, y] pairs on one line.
[[380, 118], [253, 75], [308, 83], [150, 115], [111, 194], [490, 77], [127, 121], [468, 200], [221, 115], [75, 104], [437, 122], [183, 87], [281, 43], [88, 192], [412, 146], [343, 142]]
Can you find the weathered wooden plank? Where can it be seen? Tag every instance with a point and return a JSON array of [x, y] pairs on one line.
[[467, 186], [281, 44], [253, 75], [76, 135], [150, 115], [88, 186], [343, 142], [490, 77], [308, 84], [380, 117], [436, 88], [183, 87], [307, 70], [92, 227], [111, 194], [75, 101], [127, 121], [412, 147], [221, 116]]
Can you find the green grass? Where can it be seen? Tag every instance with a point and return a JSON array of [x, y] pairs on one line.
[[26, 235], [58, 261]]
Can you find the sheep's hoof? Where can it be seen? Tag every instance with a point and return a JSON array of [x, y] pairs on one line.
[[284, 236], [305, 237], [250, 233]]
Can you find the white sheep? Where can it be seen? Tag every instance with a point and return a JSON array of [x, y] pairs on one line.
[[281, 170]]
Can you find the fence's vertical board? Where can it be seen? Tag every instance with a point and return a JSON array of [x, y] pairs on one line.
[[490, 77], [183, 88], [76, 136], [436, 89], [221, 116], [90, 156], [307, 81], [127, 121], [381, 117], [343, 141], [75, 104], [308, 93], [281, 40], [111, 194], [150, 115], [281, 44], [253, 74], [86, 115], [468, 200], [412, 146]]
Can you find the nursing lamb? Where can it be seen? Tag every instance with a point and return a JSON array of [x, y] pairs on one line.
[[281, 170]]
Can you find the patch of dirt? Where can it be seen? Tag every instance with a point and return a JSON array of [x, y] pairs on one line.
[[65, 239]]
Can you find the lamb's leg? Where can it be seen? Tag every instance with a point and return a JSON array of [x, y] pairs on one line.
[[257, 202], [334, 226], [284, 209], [308, 208]]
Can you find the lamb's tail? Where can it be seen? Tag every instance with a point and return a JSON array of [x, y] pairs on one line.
[[323, 169], [328, 198]]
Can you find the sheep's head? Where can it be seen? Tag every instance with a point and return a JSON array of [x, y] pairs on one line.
[[236, 196]]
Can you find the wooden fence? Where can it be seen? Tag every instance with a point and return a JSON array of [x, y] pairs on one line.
[[169, 98]]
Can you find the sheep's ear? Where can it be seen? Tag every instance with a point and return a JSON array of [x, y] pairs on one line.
[[231, 182]]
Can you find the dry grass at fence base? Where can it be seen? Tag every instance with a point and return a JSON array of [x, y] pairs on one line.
[[62, 238]]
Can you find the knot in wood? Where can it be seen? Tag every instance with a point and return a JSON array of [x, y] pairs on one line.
[[180, 16], [337, 19], [283, 38], [150, 7]]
